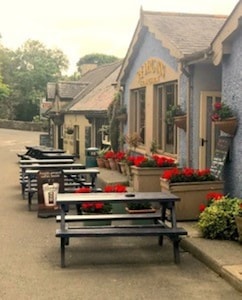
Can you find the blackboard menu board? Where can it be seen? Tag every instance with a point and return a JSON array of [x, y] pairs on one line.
[[221, 152]]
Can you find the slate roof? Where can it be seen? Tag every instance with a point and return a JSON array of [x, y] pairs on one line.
[[182, 34], [99, 98], [65, 89], [189, 33], [99, 79]]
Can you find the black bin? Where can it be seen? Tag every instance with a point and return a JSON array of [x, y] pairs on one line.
[[91, 157]]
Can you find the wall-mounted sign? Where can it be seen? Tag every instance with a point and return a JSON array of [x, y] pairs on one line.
[[151, 72], [221, 153]]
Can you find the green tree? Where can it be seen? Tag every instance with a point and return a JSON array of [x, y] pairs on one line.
[[96, 58], [27, 72]]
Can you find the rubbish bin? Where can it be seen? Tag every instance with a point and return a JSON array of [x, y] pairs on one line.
[[91, 157]]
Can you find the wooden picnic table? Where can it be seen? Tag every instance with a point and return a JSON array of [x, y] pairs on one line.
[[75, 178], [160, 228]]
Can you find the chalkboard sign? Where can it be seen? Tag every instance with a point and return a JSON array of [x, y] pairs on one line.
[[221, 153], [44, 140]]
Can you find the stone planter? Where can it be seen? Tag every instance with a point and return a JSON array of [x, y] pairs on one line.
[[147, 179], [192, 194]]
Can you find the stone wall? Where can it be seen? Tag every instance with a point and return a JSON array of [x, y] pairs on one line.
[[19, 125]]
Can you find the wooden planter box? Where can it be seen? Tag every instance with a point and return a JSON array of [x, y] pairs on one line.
[[147, 179], [192, 194]]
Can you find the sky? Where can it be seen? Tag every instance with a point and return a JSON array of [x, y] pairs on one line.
[[81, 27]]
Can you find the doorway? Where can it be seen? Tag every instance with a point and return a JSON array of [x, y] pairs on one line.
[[208, 133]]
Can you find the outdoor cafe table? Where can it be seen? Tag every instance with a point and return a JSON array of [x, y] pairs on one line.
[[160, 228], [38, 151]]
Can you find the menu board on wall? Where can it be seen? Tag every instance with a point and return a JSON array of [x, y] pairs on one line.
[[221, 153]]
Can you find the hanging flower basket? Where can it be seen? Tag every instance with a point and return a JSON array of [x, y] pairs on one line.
[[69, 130], [181, 122], [228, 126]]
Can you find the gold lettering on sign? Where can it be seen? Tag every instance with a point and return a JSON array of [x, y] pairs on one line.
[[151, 72]]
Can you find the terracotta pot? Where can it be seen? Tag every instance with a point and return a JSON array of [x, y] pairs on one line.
[[100, 162], [112, 164], [107, 164], [228, 126], [191, 195], [122, 167]]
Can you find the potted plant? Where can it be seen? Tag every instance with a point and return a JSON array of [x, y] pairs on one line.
[[110, 157], [140, 208], [223, 118], [175, 115], [191, 186], [121, 161], [238, 220], [100, 157], [69, 130], [93, 208], [146, 171], [116, 188], [217, 221]]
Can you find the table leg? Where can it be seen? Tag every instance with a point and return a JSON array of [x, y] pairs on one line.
[[63, 242]]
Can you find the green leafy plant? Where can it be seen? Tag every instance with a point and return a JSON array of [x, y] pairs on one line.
[[139, 205], [217, 221]]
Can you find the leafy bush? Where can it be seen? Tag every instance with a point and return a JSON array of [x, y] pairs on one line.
[[217, 221]]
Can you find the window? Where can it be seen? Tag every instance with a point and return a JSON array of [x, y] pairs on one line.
[[138, 113], [165, 134]]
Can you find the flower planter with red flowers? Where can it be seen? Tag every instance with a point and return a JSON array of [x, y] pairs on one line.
[[191, 186], [224, 119], [146, 172], [119, 207]]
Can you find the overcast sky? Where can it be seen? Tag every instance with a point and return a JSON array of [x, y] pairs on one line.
[[80, 27]]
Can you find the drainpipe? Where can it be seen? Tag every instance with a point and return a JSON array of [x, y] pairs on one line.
[[187, 73]]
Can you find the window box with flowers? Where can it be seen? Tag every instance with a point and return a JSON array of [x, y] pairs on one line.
[[146, 171], [224, 119], [191, 186], [95, 208]]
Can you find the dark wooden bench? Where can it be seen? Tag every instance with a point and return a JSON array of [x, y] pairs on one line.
[[124, 231]]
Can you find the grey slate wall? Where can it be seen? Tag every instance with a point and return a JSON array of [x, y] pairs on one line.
[[232, 95]]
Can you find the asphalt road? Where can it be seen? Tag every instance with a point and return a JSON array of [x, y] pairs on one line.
[[97, 268]]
